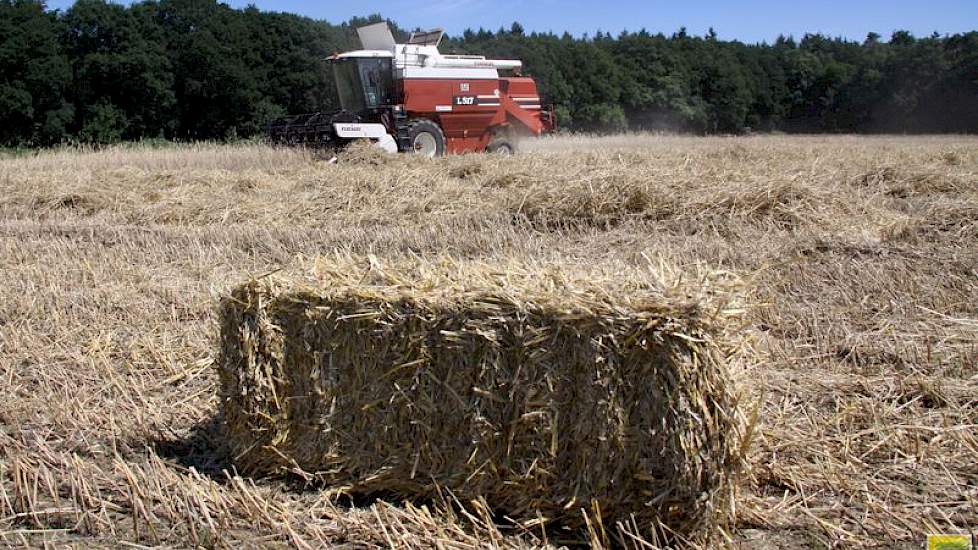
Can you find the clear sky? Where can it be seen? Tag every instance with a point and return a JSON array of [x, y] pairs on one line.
[[746, 20]]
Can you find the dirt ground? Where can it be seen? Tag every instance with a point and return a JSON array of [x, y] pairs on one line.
[[860, 256]]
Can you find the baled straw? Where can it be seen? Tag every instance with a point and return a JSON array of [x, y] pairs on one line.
[[554, 398]]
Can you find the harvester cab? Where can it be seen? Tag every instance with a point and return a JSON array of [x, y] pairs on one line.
[[412, 98], [364, 84]]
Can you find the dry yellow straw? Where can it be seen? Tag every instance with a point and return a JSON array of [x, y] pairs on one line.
[[547, 395]]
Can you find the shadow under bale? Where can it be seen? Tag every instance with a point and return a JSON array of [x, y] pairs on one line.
[[205, 450], [559, 401]]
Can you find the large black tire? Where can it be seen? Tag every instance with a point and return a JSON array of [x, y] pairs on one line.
[[426, 138]]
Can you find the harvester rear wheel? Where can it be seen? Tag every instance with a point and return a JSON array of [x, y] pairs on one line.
[[502, 147], [426, 138]]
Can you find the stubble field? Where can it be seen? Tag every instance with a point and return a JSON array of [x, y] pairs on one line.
[[859, 257]]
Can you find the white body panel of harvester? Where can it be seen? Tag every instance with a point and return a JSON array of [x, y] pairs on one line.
[[377, 132]]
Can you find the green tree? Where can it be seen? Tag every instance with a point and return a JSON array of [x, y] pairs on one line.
[[120, 67], [199, 69], [34, 75]]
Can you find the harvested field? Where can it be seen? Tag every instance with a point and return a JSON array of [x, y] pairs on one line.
[[860, 257]]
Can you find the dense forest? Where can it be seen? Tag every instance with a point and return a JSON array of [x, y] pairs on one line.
[[198, 69]]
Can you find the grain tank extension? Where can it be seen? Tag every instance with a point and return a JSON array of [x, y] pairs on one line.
[[412, 98]]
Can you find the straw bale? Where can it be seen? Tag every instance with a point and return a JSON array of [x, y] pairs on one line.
[[573, 398]]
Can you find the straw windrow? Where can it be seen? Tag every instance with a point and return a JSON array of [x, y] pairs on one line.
[[549, 396]]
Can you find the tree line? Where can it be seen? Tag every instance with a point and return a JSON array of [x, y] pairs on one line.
[[100, 72]]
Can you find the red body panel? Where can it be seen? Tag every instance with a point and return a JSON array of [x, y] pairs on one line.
[[472, 111]]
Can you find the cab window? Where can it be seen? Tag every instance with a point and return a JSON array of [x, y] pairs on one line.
[[364, 83], [376, 77]]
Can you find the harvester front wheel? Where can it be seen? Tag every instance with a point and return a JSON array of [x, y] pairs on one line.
[[426, 138]]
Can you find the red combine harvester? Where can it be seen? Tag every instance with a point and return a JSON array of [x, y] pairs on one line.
[[411, 98]]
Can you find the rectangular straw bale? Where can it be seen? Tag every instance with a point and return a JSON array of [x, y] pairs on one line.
[[547, 395]]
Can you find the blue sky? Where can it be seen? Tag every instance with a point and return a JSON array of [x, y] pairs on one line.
[[747, 20]]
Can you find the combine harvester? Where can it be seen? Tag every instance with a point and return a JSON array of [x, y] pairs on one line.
[[411, 98]]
